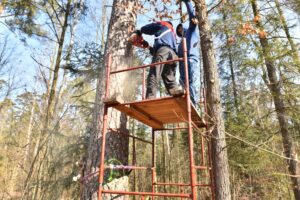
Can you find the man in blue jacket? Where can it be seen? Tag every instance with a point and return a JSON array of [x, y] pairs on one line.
[[164, 49], [192, 38]]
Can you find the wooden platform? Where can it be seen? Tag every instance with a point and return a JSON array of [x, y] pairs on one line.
[[158, 112]]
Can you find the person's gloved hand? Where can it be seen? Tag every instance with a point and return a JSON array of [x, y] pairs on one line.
[[145, 44], [179, 1], [136, 39], [135, 35], [138, 32], [151, 50], [194, 20]]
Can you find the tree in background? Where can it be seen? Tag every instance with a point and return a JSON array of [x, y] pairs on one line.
[[49, 20], [276, 91], [214, 110]]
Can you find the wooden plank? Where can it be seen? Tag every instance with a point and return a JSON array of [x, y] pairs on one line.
[[141, 111], [169, 116], [157, 113], [165, 112], [182, 106], [194, 114], [140, 117], [155, 104], [114, 100]]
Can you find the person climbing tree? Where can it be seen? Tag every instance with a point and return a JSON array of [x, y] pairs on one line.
[[164, 49], [191, 34]]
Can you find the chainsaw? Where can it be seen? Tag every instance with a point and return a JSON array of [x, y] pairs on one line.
[[136, 39]]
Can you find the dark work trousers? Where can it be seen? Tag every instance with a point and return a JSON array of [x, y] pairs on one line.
[[194, 78], [166, 71]]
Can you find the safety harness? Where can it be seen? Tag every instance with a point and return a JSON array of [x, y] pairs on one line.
[[170, 29]]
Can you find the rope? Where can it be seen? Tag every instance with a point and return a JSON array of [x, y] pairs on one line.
[[260, 148]]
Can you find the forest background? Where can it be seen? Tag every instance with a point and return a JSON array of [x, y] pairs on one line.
[[51, 55]]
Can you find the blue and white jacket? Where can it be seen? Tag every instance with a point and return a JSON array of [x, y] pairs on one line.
[[164, 36]]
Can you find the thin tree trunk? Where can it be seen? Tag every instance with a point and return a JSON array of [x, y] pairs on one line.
[[122, 23], [219, 152], [52, 94], [275, 89], [232, 75], [294, 49], [49, 110], [29, 133], [39, 177]]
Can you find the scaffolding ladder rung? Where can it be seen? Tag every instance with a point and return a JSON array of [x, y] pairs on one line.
[[146, 194], [202, 167], [172, 129], [182, 184], [116, 167], [172, 184], [117, 131], [203, 185], [145, 66]]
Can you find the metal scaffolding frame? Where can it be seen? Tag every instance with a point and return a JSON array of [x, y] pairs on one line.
[[190, 125]]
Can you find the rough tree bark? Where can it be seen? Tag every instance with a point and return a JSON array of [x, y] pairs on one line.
[[278, 98], [122, 23], [219, 152]]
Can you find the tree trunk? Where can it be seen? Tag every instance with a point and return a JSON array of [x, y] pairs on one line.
[[295, 54], [42, 138], [49, 110], [219, 152], [29, 133], [231, 65], [232, 75], [122, 23], [275, 89]]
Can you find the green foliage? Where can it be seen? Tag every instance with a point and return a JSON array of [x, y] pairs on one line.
[[294, 4], [34, 17], [25, 16], [85, 62], [254, 172]]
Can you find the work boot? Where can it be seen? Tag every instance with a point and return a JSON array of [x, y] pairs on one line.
[[176, 91]]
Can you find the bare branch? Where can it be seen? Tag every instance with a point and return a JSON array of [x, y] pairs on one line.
[[215, 6], [56, 14], [52, 23], [76, 96], [39, 63]]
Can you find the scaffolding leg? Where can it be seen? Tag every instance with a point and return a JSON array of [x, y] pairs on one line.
[[153, 163], [190, 128], [210, 171], [102, 155], [192, 163], [134, 164], [202, 150]]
